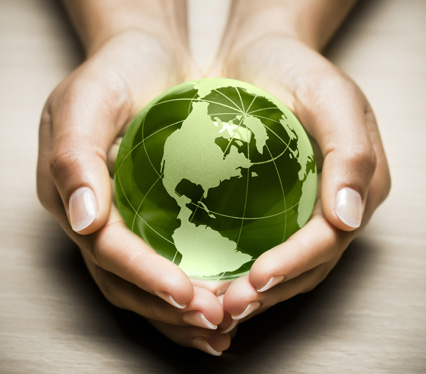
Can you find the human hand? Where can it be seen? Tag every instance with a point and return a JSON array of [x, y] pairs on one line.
[[354, 177], [80, 128]]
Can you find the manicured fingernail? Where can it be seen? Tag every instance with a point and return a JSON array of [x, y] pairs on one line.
[[230, 328], [83, 208], [271, 283], [349, 207], [198, 319], [168, 298], [250, 309], [202, 344]]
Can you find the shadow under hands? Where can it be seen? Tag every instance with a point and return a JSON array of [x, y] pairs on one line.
[[280, 331]]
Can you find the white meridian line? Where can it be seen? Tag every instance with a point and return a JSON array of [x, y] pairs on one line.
[[143, 140], [224, 105], [233, 135], [146, 151], [226, 97], [196, 208], [273, 132], [268, 128], [221, 275], [142, 201], [282, 190], [146, 223], [247, 111], [245, 199], [278, 156], [241, 99], [273, 158], [174, 257]]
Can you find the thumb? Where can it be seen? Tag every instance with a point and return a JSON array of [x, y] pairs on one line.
[[341, 121], [82, 131]]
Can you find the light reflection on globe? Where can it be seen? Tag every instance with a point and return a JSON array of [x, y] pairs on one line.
[[214, 172]]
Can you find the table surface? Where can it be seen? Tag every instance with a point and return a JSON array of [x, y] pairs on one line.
[[369, 316]]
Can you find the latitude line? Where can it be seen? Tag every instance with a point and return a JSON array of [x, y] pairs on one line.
[[200, 100], [261, 109], [247, 218]]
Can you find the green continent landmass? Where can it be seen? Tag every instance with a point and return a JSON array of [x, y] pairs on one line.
[[191, 153]]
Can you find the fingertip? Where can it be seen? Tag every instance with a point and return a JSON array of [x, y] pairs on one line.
[[169, 299], [83, 209], [239, 296], [205, 302], [265, 272], [349, 209], [84, 212]]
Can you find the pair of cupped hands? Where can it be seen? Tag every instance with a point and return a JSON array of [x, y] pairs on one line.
[[87, 114]]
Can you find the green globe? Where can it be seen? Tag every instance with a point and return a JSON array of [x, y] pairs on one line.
[[214, 172]]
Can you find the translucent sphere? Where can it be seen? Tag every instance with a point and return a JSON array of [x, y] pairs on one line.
[[214, 172]]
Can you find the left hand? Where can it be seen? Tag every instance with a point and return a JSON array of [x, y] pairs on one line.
[[354, 181]]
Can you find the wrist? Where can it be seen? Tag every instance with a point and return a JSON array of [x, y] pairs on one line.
[[97, 22], [312, 22]]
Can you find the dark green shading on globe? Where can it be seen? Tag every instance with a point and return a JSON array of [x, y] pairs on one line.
[[214, 172]]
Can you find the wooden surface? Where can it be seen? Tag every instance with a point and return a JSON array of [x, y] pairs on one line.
[[369, 316]]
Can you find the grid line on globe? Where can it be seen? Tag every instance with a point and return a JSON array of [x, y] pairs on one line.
[[214, 172]]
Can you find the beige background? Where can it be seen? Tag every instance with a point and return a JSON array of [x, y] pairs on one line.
[[369, 316]]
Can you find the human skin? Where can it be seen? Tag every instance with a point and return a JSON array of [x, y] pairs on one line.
[[276, 45], [137, 49]]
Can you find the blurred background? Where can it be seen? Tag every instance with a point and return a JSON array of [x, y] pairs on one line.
[[369, 316]]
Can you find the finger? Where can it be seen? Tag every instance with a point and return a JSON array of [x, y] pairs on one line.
[[318, 242], [121, 252], [243, 301], [335, 112], [204, 310], [211, 342], [216, 287], [82, 130]]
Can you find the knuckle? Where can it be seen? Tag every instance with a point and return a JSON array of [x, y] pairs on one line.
[[62, 161], [366, 158]]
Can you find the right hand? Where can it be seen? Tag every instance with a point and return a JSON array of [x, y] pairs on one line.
[[82, 121]]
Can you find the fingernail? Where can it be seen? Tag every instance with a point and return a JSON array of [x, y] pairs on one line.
[[168, 298], [271, 283], [83, 208], [202, 344], [250, 309], [230, 328], [198, 319], [349, 207]]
